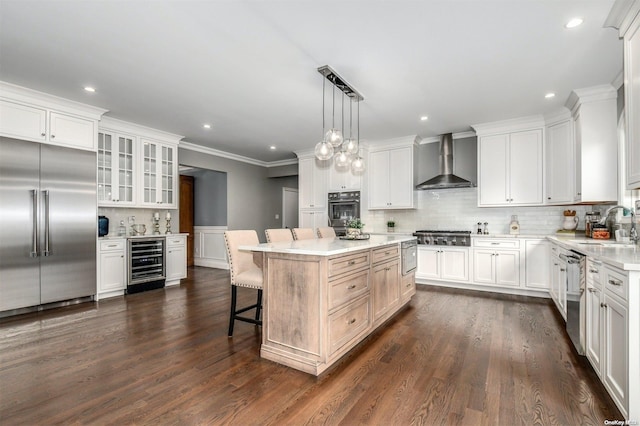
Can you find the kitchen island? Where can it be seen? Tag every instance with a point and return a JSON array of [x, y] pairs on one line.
[[323, 296]]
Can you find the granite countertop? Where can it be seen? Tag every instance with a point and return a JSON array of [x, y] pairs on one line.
[[327, 246], [624, 256]]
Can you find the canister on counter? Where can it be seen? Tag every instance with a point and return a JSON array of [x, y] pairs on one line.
[[590, 219]]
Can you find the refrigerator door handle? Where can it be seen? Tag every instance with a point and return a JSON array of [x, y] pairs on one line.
[[34, 242], [46, 251]]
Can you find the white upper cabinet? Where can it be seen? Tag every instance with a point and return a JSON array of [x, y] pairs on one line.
[[343, 179], [137, 166], [596, 143], [510, 163], [630, 30], [35, 116], [312, 178], [116, 169], [159, 170], [559, 161], [391, 171]]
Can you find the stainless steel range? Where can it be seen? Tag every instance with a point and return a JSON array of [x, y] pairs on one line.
[[444, 238]]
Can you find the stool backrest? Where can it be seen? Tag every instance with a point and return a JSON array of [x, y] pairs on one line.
[[240, 261], [326, 232], [278, 234], [303, 233]]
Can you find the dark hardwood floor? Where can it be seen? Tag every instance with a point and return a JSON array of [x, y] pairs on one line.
[[163, 357]]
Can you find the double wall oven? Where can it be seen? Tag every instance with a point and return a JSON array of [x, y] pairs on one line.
[[343, 206]]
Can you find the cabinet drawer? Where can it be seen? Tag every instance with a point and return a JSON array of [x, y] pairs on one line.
[[345, 289], [175, 241], [408, 286], [616, 282], [347, 323], [348, 263], [497, 243], [112, 245], [383, 254], [594, 270]]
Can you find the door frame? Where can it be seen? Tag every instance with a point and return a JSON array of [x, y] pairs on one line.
[[284, 207]]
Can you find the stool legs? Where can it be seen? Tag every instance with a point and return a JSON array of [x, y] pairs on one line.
[[234, 314]]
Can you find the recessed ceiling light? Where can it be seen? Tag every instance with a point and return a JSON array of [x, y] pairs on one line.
[[206, 126], [89, 89], [573, 23], [424, 118], [272, 147], [550, 95]]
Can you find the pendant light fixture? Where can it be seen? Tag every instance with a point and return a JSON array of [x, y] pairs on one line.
[[324, 149], [357, 165], [348, 156]]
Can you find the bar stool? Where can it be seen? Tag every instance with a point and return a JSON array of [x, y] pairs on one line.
[[303, 233], [244, 273], [278, 234], [326, 232]]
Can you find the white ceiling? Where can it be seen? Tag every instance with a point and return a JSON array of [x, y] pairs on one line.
[[249, 67]]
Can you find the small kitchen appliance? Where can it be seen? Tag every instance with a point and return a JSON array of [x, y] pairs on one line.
[[103, 226], [443, 238]]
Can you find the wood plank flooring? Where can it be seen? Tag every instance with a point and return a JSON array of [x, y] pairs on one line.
[[163, 357]]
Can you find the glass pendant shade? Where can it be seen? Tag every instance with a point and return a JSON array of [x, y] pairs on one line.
[[342, 159], [351, 146], [357, 165], [323, 151], [334, 137]]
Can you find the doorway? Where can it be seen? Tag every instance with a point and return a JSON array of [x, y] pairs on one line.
[[186, 213], [289, 208]]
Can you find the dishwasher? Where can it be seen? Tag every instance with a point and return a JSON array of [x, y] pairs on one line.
[[576, 298]]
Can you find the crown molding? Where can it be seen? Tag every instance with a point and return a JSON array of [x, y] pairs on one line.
[[590, 94], [223, 154], [109, 123], [17, 93], [506, 126], [459, 135]]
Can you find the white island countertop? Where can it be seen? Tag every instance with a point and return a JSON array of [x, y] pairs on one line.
[[624, 256], [327, 246]]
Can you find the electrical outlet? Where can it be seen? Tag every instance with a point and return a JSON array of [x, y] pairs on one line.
[[277, 216]]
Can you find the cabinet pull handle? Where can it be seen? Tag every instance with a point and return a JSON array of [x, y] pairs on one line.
[[53, 136], [408, 285], [495, 244], [46, 251], [387, 252], [562, 270], [351, 321], [602, 305], [615, 282], [591, 290], [112, 245], [351, 287], [352, 262], [593, 271], [43, 134], [34, 242]]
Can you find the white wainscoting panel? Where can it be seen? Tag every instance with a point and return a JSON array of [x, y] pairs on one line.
[[209, 248]]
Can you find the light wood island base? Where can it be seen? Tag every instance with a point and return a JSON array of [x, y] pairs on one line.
[[316, 308]]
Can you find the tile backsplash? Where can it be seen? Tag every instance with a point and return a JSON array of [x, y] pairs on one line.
[[457, 209], [142, 216]]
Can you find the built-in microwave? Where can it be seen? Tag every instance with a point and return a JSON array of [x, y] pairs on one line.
[[342, 207]]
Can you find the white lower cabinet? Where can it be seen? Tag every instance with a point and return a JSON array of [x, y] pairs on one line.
[[536, 264], [500, 267], [112, 279], [176, 259], [594, 315], [558, 285], [443, 263]]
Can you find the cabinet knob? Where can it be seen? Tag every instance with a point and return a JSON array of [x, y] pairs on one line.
[[53, 136], [43, 134], [351, 287], [548, 198], [351, 321]]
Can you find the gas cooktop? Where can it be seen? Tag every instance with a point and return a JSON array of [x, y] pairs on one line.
[[438, 237]]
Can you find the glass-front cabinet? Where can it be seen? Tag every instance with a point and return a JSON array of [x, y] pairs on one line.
[[116, 170], [159, 170]]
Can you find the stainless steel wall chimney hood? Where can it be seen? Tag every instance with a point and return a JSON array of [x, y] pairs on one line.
[[446, 179]]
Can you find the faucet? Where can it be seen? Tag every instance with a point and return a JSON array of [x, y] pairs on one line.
[[633, 234]]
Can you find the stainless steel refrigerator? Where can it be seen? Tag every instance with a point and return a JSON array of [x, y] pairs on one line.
[[48, 224]]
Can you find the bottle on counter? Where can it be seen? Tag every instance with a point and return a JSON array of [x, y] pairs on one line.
[[479, 228], [514, 226], [122, 230], [485, 231]]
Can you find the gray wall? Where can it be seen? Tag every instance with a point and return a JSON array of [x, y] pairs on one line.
[[247, 189], [274, 207], [465, 163], [210, 197]]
